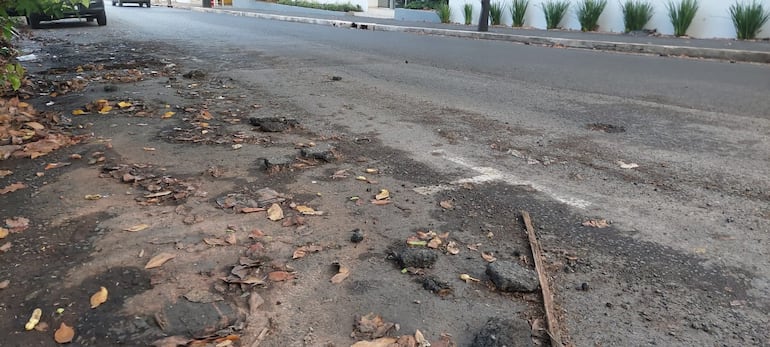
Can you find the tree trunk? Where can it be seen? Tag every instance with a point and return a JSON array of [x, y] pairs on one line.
[[484, 18]]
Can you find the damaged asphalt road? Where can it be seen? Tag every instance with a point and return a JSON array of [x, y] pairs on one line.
[[230, 193]]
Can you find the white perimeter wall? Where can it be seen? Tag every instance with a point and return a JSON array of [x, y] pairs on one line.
[[711, 21]]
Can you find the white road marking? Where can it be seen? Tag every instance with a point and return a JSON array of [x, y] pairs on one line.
[[489, 174]]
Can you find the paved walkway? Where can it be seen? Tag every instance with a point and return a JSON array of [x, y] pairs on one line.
[[727, 49]]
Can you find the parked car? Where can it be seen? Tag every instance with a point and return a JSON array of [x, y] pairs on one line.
[[140, 2], [94, 11]]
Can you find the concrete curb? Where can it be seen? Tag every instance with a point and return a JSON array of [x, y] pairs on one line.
[[624, 47]]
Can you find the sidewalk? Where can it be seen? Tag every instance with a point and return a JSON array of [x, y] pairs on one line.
[[723, 49]]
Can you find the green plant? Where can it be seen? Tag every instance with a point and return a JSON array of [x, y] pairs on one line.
[[554, 11], [518, 10], [424, 4], [748, 19], [681, 15], [636, 13], [496, 12], [444, 13], [468, 12], [588, 13], [348, 7]]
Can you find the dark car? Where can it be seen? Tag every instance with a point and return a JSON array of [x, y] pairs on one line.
[[140, 2], [95, 10]]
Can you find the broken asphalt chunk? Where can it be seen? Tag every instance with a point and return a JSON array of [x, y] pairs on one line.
[[509, 276], [499, 332], [323, 152], [417, 257]]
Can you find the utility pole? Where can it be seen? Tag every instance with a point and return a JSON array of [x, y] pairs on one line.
[[484, 19]]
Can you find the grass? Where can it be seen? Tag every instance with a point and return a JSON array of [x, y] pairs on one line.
[[554, 11], [518, 10], [496, 12], [681, 15], [444, 13], [329, 7], [468, 12], [636, 14], [748, 19], [588, 13]]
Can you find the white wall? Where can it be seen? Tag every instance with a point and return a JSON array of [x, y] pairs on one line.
[[711, 21]]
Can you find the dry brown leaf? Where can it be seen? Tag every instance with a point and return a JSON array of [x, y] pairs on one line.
[[434, 243], [275, 213], [252, 209], [42, 326], [159, 260], [158, 194], [384, 194], [341, 275], [99, 297], [304, 250], [231, 239], [5, 247], [12, 188], [214, 241], [596, 223], [4, 284], [55, 165], [138, 227], [279, 276], [35, 125], [93, 196], [446, 204], [34, 319], [17, 224], [4, 173], [64, 334], [308, 211], [381, 202], [381, 342], [256, 233], [488, 256], [171, 341], [452, 248], [3, 232]]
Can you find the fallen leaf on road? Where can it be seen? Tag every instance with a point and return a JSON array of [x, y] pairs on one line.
[[4, 173], [138, 227], [55, 165], [124, 104], [252, 209], [99, 297], [3, 232], [93, 197], [342, 273], [172, 341], [434, 243], [78, 112], [467, 278], [17, 224], [624, 165], [596, 223], [275, 213], [168, 114], [381, 342], [372, 171], [446, 204], [452, 248], [64, 334], [381, 202], [75, 156], [340, 174], [231, 239], [5, 247], [279, 276], [214, 241], [35, 125], [256, 233], [159, 260], [489, 257], [33, 319], [12, 188], [308, 211], [148, 149], [361, 178], [42, 326], [304, 250], [158, 194], [4, 284], [372, 326], [384, 194], [105, 110]]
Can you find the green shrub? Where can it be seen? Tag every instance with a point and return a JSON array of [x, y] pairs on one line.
[[681, 15], [468, 12], [554, 11], [518, 10], [748, 19], [588, 13], [424, 4], [496, 12], [444, 13], [636, 14], [329, 7]]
